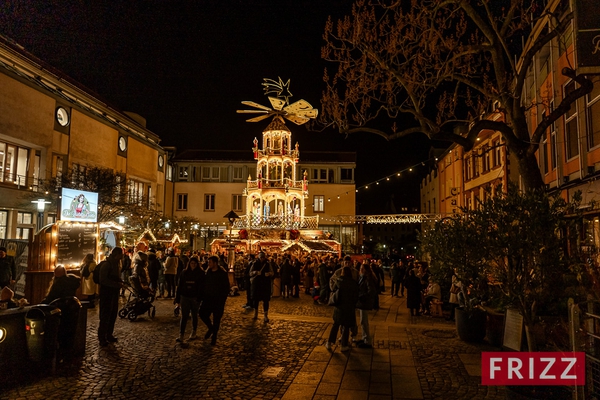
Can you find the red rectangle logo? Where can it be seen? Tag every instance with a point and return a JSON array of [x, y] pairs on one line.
[[525, 368]]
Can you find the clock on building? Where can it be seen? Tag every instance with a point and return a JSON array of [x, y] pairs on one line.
[[122, 143], [161, 161], [62, 116]]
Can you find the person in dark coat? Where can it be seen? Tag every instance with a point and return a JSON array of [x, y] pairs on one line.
[[154, 267], [296, 267], [110, 286], [188, 296], [413, 293], [261, 274], [344, 314], [8, 271], [368, 291], [62, 285], [286, 277], [216, 290]]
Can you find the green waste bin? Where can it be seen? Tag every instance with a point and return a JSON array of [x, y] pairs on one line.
[[41, 328]]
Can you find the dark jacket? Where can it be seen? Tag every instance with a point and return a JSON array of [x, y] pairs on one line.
[[261, 284], [216, 287], [191, 284], [413, 291], [154, 266], [110, 273], [344, 313], [286, 272], [322, 276], [8, 270], [64, 286], [367, 292]]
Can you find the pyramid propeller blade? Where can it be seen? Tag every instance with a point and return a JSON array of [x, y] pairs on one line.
[[277, 103], [253, 104], [259, 118]]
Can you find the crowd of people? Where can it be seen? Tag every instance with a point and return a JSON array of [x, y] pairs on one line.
[[198, 283]]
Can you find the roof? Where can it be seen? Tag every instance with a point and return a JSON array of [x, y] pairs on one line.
[[309, 245], [247, 156]]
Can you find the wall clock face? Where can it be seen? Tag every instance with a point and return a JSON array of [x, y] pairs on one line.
[[161, 161], [122, 143], [62, 116]]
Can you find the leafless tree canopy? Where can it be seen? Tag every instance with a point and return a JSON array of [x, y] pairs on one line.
[[430, 65]]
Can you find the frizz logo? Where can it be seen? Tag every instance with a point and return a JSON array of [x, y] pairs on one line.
[[522, 368]]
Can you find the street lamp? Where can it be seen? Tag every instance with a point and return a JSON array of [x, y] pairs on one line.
[[41, 205], [231, 217], [121, 219]]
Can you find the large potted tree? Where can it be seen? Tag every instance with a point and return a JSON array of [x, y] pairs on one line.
[[454, 248]]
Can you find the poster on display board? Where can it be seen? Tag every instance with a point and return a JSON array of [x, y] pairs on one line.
[[79, 205]]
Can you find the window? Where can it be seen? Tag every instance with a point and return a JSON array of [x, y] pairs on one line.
[[237, 202], [24, 218], [467, 169], [571, 129], [23, 233], [545, 153], [553, 144], [13, 164], [209, 202], [210, 174], [320, 175], [135, 192], [593, 116], [182, 201], [3, 224], [183, 173], [237, 174], [319, 203], [497, 153], [170, 173], [487, 163], [347, 175]]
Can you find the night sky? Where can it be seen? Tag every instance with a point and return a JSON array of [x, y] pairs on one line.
[[186, 65]]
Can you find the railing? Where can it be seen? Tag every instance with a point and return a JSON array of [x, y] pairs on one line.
[[584, 331], [277, 152], [276, 222], [274, 183]]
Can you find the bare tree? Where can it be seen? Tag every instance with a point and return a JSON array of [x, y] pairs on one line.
[[433, 65]]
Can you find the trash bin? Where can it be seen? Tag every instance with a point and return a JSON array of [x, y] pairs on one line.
[[41, 327], [69, 321]]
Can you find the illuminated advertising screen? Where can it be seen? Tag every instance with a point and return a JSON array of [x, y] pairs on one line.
[[79, 205]]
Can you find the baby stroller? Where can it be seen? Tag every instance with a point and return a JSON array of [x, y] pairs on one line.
[[139, 302]]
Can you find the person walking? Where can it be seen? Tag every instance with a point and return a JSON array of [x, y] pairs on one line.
[[189, 295], [396, 277], [110, 285], [8, 270], [88, 286], [247, 282], [367, 292], [171, 265], [215, 292], [260, 275], [344, 314], [154, 271]]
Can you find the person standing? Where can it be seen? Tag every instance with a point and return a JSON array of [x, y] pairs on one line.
[[171, 265], [323, 280], [110, 285], [189, 295], [88, 286], [126, 268], [154, 269], [344, 314], [216, 290], [8, 270], [397, 278], [413, 293], [286, 277], [247, 282], [296, 267], [367, 292], [260, 275]]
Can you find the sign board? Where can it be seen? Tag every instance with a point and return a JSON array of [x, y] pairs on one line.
[[79, 205], [75, 241], [513, 330], [588, 36]]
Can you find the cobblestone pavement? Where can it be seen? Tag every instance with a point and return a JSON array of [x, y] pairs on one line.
[[283, 359]]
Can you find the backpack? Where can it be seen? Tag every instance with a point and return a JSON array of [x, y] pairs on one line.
[[96, 272]]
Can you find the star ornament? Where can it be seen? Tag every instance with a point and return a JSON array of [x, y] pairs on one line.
[[299, 112], [281, 89]]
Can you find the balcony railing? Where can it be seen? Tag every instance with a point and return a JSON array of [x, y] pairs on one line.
[[276, 222], [275, 183]]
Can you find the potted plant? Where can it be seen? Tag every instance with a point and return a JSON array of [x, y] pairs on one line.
[[453, 247], [518, 240]]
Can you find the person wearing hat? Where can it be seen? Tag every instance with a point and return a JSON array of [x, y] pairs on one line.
[[62, 285], [6, 298], [8, 270], [110, 286]]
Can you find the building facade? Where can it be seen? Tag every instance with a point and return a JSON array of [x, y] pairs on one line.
[[50, 124]]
